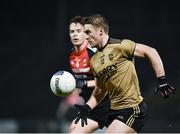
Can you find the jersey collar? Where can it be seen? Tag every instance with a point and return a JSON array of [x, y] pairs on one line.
[[100, 49]]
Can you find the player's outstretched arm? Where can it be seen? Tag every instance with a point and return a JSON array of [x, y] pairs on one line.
[[148, 52]]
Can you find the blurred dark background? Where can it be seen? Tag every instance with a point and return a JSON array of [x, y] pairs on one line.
[[34, 44]]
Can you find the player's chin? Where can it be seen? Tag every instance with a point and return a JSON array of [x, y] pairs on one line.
[[77, 44]]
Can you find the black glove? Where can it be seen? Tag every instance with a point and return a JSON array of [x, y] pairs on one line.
[[84, 111], [164, 88], [81, 83]]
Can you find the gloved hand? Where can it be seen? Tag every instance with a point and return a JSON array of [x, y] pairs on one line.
[[84, 111], [164, 88], [81, 83]]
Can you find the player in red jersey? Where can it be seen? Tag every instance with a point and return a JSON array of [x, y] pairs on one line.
[[80, 65]]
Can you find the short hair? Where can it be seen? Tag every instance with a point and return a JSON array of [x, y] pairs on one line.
[[77, 19], [98, 21]]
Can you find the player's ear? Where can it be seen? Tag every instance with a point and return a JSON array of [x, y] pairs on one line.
[[85, 35], [101, 31]]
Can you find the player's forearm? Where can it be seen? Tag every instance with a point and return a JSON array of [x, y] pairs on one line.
[[92, 102], [153, 56], [96, 97], [156, 62]]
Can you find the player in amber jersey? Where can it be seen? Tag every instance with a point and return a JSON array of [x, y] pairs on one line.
[[80, 64], [115, 73]]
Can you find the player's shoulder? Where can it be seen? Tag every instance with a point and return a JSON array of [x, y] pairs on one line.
[[120, 41], [127, 41], [115, 41]]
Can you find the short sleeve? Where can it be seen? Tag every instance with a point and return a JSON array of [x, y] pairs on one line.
[[127, 48]]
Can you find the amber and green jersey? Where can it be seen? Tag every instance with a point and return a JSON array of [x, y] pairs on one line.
[[114, 68]]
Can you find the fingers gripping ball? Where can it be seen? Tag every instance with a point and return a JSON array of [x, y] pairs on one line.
[[62, 83]]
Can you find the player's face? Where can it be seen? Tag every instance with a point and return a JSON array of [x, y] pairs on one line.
[[76, 33], [93, 35]]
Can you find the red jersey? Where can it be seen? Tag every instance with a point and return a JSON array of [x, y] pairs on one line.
[[80, 61]]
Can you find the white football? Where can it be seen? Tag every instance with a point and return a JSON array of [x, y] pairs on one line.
[[62, 83]]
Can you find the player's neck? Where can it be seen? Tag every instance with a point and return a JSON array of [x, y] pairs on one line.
[[105, 40], [80, 47]]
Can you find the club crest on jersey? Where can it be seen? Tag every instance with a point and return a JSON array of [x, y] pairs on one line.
[[102, 58]]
